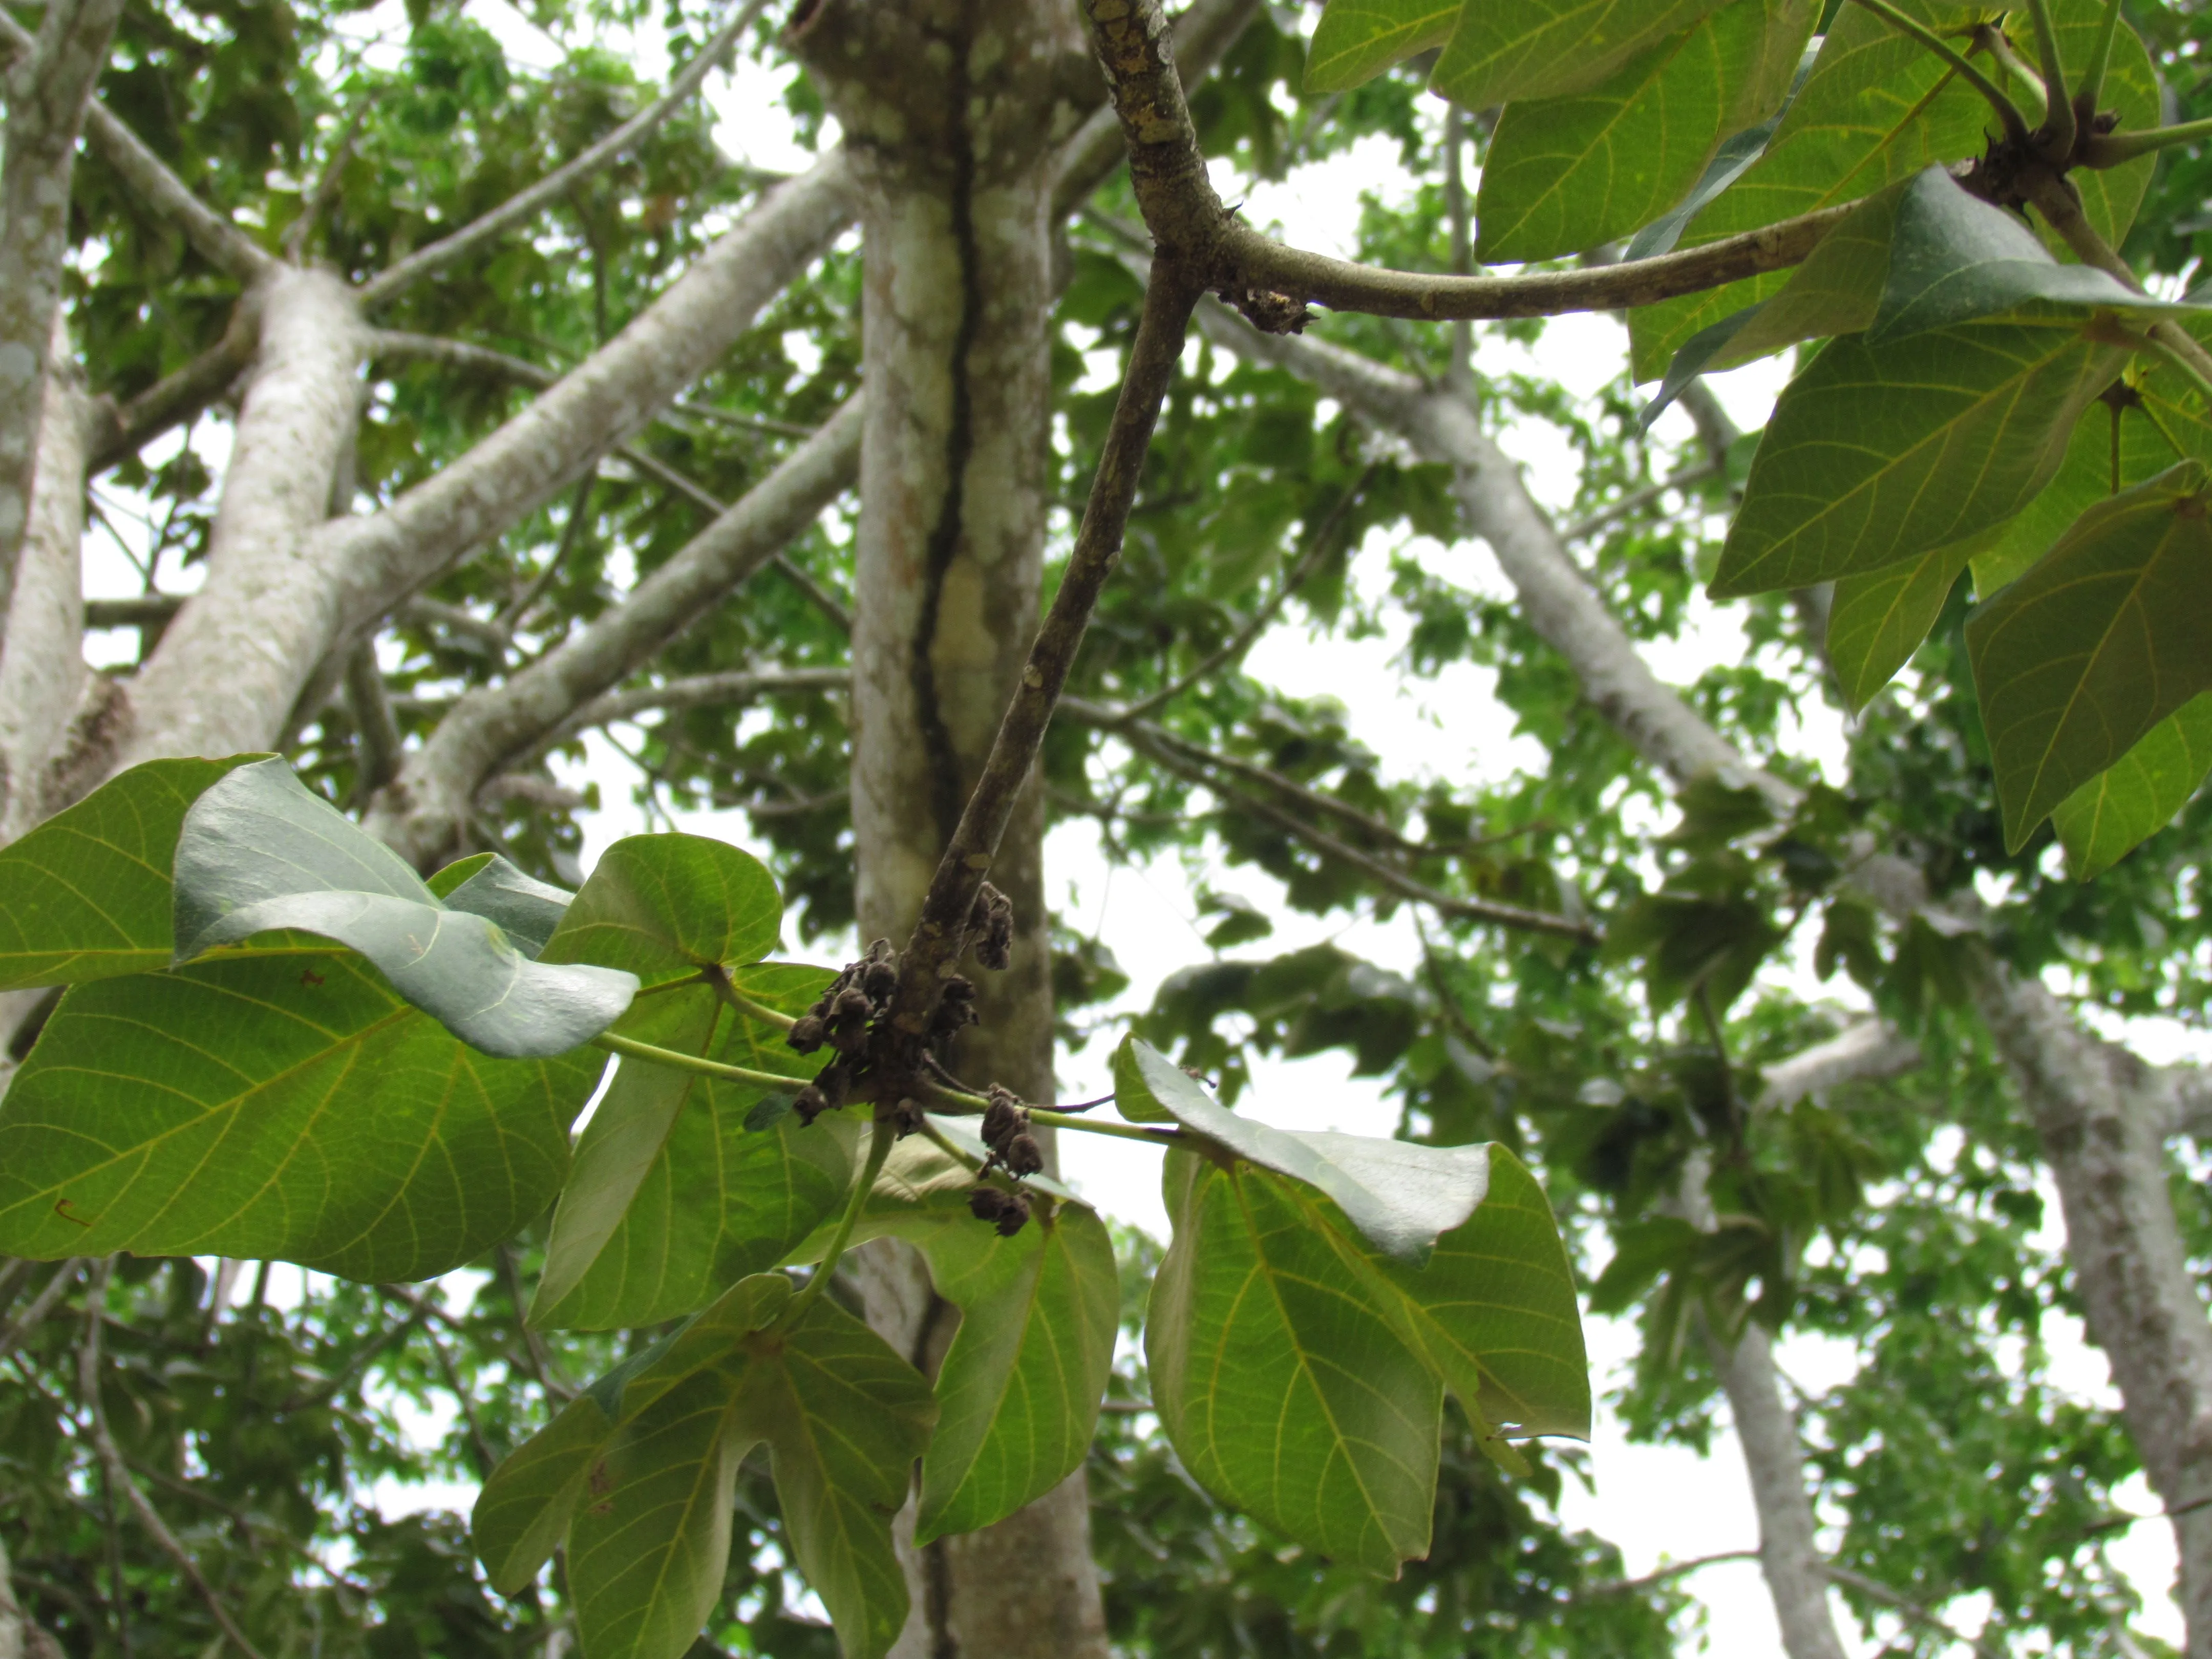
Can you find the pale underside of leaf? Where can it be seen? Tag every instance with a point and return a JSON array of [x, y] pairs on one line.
[[2135, 798]]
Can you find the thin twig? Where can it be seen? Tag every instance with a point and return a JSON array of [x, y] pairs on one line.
[[520, 207], [16, 1330], [942, 931], [1233, 649], [326, 186], [117, 1471], [541, 1363], [1637, 500], [2015, 123], [1673, 1570], [2058, 145]]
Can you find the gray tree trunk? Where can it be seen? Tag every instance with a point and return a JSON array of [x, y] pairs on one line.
[[952, 110]]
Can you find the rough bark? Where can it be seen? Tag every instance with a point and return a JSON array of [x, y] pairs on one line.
[[1796, 1576], [421, 814], [19, 1638], [46, 88], [231, 666], [42, 672], [2101, 1115], [951, 108]]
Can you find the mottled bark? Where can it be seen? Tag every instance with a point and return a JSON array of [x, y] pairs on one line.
[[1796, 1577], [19, 1638], [46, 90], [230, 668], [2102, 1116], [421, 814], [42, 672], [951, 109]]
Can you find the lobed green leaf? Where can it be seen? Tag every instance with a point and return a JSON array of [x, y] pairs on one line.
[[2099, 641], [2136, 797]]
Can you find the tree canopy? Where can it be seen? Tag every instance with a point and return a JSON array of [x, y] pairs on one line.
[[459, 410]]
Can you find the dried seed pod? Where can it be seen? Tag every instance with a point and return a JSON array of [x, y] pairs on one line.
[[1022, 1156], [956, 1008], [991, 922], [1006, 1211], [809, 1103], [906, 1117], [849, 1019], [878, 981], [1002, 1121], [880, 950], [808, 1033]]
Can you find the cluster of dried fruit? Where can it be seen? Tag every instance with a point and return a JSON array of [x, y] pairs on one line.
[[1013, 1149]]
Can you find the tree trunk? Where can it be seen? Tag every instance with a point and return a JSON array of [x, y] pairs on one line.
[[2101, 1117], [952, 109], [231, 666], [42, 672]]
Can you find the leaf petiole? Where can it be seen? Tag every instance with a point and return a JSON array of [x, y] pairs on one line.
[[2093, 78], [720, 979], [2058, 121], [2015, 123], [631, 1049], [1118, 1131], [2109, 150], [2152, 346], [879, 1146]]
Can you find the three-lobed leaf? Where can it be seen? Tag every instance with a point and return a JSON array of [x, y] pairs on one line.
[[258, 853], [289, 1106], [2104, 638]]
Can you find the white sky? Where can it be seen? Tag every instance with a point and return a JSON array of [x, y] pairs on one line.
[[1659, 1504]]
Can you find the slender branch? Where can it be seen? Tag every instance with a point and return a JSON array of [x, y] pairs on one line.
[[2059, 129], [1271, 282], [533, 1346], [516, 208], [1637, 500], [1149, 741], [319, 199], [2015, 123], [1672, 1571], [118, 1472], [13, 1333], [630, 1048], [942, 931], [1233, 649], [1874, 1590], [128, 427], [1991, 37], [884, 1132], [697, 691], [377, 742], [309, 1399]]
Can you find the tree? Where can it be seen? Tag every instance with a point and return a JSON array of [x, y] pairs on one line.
[[1962, 359]]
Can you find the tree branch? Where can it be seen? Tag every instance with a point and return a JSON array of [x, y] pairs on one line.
[[118, 1472], [1864, 1054], [393, 280], [1395, 880], [13, 1333], [382, 557], [222, 244], [421, 814], [941, 932], [1271, 284], [47, 89], [128, 427]]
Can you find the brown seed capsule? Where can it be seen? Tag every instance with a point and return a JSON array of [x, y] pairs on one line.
[[809, 1103], [880, 950], [878, 981], [991, 924], [956, 1008], [1002, 1121], [808, 1034], [1004, 1210], [906, 1117], [1022, 1156], [849, 1019]]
